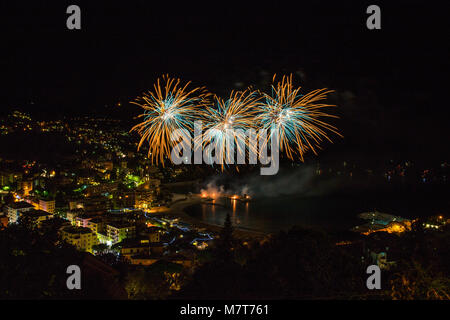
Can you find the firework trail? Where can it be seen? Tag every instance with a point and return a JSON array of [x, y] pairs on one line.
[[295, 118], [169, 107], [226, 125]]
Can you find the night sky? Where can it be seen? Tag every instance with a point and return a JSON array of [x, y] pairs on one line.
[[398, 74]]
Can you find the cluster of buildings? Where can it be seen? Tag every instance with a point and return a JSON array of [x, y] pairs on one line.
[[103, 189], [392, 171], [132, 235], [383, 222], [378, 222], [109, 228], [14, 211], [436, 222]]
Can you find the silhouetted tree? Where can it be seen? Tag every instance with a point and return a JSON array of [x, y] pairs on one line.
[[224, 245], [416, 282], [28, 221], [299, 264], [33, 267]]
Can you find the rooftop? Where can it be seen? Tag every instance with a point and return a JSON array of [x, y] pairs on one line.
[[120, 225], [96, 220], [153, 229], [37, 213], [20, 205], [146, 256], [76, 230]]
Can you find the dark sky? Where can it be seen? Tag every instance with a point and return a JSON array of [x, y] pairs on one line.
[[401, 70]]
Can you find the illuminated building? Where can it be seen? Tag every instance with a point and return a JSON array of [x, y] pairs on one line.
[[435, 222], [382, 222], [82, 220], [154, 234], [73, 213], [15, 209], [47, 205], [92, 204], [117, 232], [9, 177], [27, 186], [397, 227], [103, 238], [143, 199], [82, 238], [75, 204], [4, 179], [97, 225], [102, 188], [142, 251], [135, 248]]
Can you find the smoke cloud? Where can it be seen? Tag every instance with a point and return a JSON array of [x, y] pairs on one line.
[[299, 181]]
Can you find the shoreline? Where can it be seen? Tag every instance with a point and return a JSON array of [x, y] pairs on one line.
[[178, 209]]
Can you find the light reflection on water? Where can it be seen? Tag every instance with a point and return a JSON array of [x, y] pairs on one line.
[[337, 212], [271, 215]]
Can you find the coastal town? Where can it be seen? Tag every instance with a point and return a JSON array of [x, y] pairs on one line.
[[214, 160], [104, 199]]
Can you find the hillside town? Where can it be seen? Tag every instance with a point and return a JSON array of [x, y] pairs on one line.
[[105, 199]]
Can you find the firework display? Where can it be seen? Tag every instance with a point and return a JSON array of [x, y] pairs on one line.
[[227, 124], [169, 107], [296, 119]]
